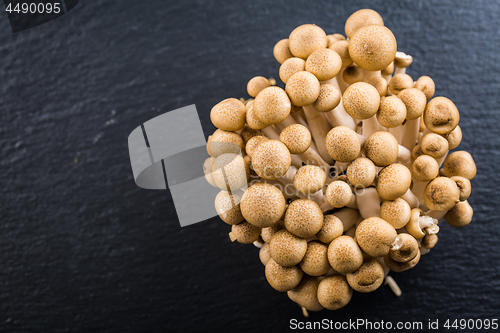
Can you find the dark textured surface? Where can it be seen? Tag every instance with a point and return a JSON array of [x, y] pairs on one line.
[[83, 249]]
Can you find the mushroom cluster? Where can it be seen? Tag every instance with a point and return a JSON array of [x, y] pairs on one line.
[[345, 174]]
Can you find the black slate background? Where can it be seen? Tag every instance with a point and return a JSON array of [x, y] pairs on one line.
[[83, 249]]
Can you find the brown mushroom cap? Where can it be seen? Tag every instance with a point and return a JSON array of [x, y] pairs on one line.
[[395, 212], [408, 249], [309, 179], [325, 64], [262, 205], [441, 194], [393, 181], [368, 277], [303, 218], [460, 215], [429, 241], [290, 67], [425, 168], [454, 137], [342, 144], [256, 84], [397, 267], [361, 172], [282, 278], [264, 254], [315, 261], [382, 148], [338, 193], [302, 88], [441, 115], [271, 159], [362, 18], [222, 142], [252, 120], [352, 74], [230, 172], [247, 133], [391, 112], [334, 292], [426, 85], [281, 51], [373, 47], [244, 233], [380, 84], [253, 143], [306, 39], [306, 293], [416, 152], [400, 82], [434, 145], [227, 206], [268, 233], [328, 99], [296, 138], [463, 185], [460, 163], [272, 105], [344, 255], [414, 100], [287, 249], [389, 70], [375, 236], [331, 229], [229, 115], [342, 49], [361, 100]]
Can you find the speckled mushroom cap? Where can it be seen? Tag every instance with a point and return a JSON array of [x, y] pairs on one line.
[[362, 18], [375, 236], [334, 292], [361, 172], [331, 229], [389, 70], [373, 47], [344, 255], [460, 215], [315, 261], [230, 172], [262, 205], [287, 249], [393, 181], [222, 142], [342, 49], [253, 143], [368, 277], [395, 212], [271, 159], [380, 84], [290, 67], [434, 145], [361, 100], [338, 193], [268, 233], [282, 278], [397, 267], [227, 206], [296, 138], [382, 148], [400, 82], [272, 105], [454, 137], [247, 133], [352, 74], [392, 112], [429, 241], [256, 84], [463, 185], [306, 293], [441, 115], [414, 100], [441, 194], [306, 39], [244, 233], [302, 88], [281, 51], [426, 85], [229, 115], [460, 163], [303, 218], [325, 64], [342, 144], [329, 98], [252, 120], [407, 250], [309, 179]]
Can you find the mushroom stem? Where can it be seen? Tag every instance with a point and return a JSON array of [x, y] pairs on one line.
[[410, 133], [290, 120], [342, 85], [300, 118], [338, 116], [411, 199], [348, 216], [370, 125], [418, 189], [305, 313], [319, 129], [393, 285], [369, 203], [436, 214], [404, 156], [310, 156], [368, 75], [397, 132]]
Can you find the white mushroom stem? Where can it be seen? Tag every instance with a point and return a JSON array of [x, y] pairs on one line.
[[354, 202], [300, 118], [436, 214], [368, 75], [428, 224], [348, 216], [351, 232], [404, 156], [340, 167], [384, 266], [311, 157], [388, 79], [401, 55], [287, 122], [339, 116], [342, 85], [411, 199], [410, 133], [258, 244], [369, 203], [418, 190], [319, 129], [392, 284], [397, 132], [423, 250], [441, 159], [370, 125]]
